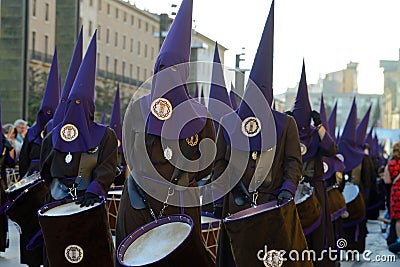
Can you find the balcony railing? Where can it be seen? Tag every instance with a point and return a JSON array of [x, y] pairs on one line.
[[40, 56]]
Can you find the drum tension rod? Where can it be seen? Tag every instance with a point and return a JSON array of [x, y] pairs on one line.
[[72, 191], [255, 197]]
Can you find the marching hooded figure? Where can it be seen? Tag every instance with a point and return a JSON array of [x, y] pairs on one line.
[[7, 160], [30, 151], [116, 125], [315, 142], [69, 80], [354, 229], [232, 97], [332, 122], [161, 130], [80, 153], [258, 154]]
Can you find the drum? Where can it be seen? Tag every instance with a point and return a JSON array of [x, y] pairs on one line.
[[209, 230], [17, 188], [308, 207], [354, 203], [113, 200], [12, 175], [76, 236], [265, 226], [336, 202], [160, 243]]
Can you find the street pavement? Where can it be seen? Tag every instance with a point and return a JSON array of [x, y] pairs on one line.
[[375, 243]]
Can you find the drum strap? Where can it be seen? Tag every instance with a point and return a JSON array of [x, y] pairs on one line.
[[396, 179]]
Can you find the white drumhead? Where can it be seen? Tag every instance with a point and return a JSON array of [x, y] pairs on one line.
[[350, 192], [115, 192], [206, 220], [156, 244], [304, 191], [24, 182], [67, 209]]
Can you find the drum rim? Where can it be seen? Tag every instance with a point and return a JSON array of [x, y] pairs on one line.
[[37, 183], [214, 224], [28, 184], [250, 212], [129, 239], [42, 211]]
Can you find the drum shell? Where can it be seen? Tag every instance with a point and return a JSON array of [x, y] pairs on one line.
[[278, 228], [23, 209], [183, 254], [309, 213], [12, 195], [337, 204], [88, 229]]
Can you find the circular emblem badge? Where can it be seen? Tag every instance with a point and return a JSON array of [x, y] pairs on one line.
[[69, 132], [326, 167], [303, 149], [251, 126], [340, 157], [273, 258], [161, 108], [73, 253]]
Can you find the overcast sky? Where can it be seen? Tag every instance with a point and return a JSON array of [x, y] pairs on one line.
[[327, 33]]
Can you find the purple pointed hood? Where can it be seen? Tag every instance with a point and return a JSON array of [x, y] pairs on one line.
[[49, 104], [323, 116], [361, 129], [103, 118], [202, 99], [353, 155], [219, 103], [369, 141], [196, 92], [232, 97], [115, 120], [171, 106], [332, 122], [302, 114], [78, 132], [69, 80], [248, 127]]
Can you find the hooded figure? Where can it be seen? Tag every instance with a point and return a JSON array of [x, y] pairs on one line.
[[332, 122], [196, 92], [79, 159], [258, 153], [354, 231], [202, 99], [30, 151], [232, 97], [162, 131], [69, 80], [315, 143], [116, 125], [103, 118]]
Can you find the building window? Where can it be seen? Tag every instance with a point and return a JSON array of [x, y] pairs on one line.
[[153, 29], [98, 32], [145, 74], [131, 45], [46, 46], [130, 71], [46, 12], [138, 47], [124, 16], [147, 26], [139, 23], [108, 36], [116, 12], [138, 73], [145, 50], [115, 66], [90, 28], [34, 8], [33, 43], [152, 53], [107, 63], [108, 9], [99, 4], [123, 69], [123, 42], [132, 20], [116, 39], [90, 2]]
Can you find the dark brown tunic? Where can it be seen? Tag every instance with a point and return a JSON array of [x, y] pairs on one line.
[[286, 169], [129, 218]]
